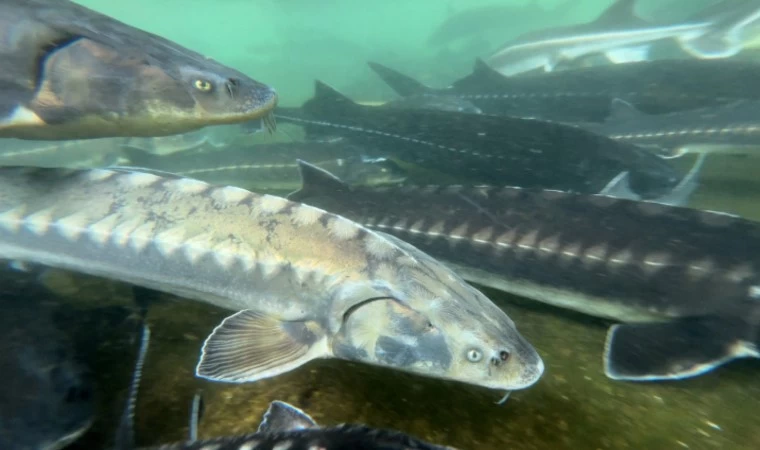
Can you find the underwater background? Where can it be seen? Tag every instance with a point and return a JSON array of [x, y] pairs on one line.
[[288, 44]]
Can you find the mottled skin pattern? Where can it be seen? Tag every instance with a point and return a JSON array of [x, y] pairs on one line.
[[621, 259], [585, 94], [72, 73], [318, 275]]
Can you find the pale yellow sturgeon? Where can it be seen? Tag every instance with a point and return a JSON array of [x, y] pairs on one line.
[[304, 283]]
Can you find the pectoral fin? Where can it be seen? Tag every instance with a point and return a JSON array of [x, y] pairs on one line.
[[676, 350], [250, 345]]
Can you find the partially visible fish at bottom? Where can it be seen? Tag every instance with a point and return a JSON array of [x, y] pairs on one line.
[[283, 427], [47, 393]]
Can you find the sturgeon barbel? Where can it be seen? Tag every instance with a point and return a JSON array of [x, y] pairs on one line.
[[304, 284]]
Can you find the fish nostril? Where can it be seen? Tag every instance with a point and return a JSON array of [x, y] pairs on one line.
[[232, 85]]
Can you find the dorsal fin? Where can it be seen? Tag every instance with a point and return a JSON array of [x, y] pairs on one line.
[[125, 435], [326, 95], [281, 416], [622, 111], [622, 11], [481, 68], [316, 181], [403, 85]]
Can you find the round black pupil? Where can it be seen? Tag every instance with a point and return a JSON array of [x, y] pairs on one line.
[[504, 355]]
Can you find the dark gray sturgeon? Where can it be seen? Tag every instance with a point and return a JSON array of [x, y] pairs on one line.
[[303, 283], [585, 94], [730, 128], [271, 167], [485, 148], [47, 394], [685, 282]]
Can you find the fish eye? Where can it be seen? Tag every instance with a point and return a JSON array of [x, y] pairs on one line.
[[474, 355], [504, 355], [202, 85]]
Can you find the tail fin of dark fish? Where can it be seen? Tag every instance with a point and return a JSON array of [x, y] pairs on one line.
[[281, 416], [403, 85], [125, 435], [316, 181], [679, 349]]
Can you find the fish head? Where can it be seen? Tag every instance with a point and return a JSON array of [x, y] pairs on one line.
[[93, 89], [435, 324], [225, 96]]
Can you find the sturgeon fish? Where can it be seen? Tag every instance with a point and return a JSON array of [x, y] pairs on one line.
[[303, 283], [685, 283], [732, 128], [84, 153], [47, 394], [585, 94], [485, 148], [283, 426], [624, 37], [271, 166], [69, 72]]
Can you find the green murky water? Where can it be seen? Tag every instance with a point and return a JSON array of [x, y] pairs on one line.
[[573, 406]]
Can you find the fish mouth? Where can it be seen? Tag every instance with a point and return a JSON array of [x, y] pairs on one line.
[[263, 105]]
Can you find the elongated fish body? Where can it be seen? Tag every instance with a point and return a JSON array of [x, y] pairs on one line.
[[72, 73], [46, 397], [84, 153], [487, 149], [732, 127], [271, 166], [304, 283], [585, 94], [715, 32], [634, 262]]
